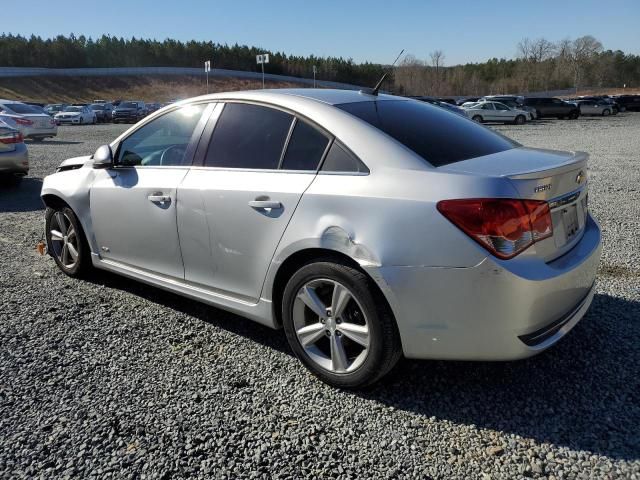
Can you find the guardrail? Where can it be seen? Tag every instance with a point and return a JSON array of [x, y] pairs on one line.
[[13, 72]]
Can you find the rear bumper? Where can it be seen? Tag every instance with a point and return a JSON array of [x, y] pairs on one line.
[[16, 162], [488, 312], [32, 132]]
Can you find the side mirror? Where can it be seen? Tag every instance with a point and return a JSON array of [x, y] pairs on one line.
[[103, 158]]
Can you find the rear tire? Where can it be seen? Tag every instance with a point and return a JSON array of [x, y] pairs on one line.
[[355, 342], [477, 118], [66, 241]]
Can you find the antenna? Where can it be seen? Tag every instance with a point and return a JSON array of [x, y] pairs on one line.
[[379, 84]]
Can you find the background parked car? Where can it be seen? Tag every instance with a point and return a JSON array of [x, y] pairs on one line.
[[129, 112], [76, 115], [152, 107], [628, 102], [552, 107], [14, 158], [446, 106], [467, 100], [495, 112], [591, 107], [103, 111], [54, 108], [31, 121], [512, 101]]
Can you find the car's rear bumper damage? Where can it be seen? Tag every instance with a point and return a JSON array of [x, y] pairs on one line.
[[487, 312]]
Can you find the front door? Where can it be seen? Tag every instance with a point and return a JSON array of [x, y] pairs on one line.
[[133, 205]]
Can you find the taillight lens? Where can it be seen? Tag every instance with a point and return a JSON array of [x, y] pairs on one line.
[[23, 121], [503, 226], [12, 137]]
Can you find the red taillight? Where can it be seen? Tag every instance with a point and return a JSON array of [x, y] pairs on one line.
[[9, 138], [23, 121], [505, 227]]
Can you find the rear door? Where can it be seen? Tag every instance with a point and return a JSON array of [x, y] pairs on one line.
[[488, 111], [235, 206]]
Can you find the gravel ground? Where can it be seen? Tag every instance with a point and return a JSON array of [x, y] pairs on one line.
[[108, 378]]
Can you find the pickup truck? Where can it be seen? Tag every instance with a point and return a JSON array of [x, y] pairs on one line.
[[552, 107]]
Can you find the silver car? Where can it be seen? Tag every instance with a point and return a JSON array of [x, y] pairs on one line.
[[495, 112], [591, 107], [14, 158], [31, 121], [369, 227]]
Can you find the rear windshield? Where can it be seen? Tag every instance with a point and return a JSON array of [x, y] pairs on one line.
[[23, 108], [438, 136]]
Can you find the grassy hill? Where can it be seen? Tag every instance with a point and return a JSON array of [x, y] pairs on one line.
[[146, 88]]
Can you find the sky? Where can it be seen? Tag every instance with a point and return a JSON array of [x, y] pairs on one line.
[[375, 31]]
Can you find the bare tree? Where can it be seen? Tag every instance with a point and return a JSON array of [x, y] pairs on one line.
[[582, 51], [437, 61]]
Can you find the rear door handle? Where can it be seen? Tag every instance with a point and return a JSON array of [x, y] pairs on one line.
[[264, 204], [159, 198]]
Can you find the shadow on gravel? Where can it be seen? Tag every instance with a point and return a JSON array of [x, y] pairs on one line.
[[583, 393], [24, 197]]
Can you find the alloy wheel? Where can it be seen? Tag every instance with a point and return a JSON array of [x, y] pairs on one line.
[[331, 325], [64, 240]]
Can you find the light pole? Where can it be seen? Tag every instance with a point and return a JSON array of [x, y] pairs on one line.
[[261, 60], [207, 69], [315, 70]]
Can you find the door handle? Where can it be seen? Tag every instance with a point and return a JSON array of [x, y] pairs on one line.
[[264, 204], [159, 198]]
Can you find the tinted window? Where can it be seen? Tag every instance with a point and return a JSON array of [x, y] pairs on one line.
[[487, 106], [339, 160], [305, 149], [163, 141], [248, 136], [438, 136], [22, 108], [500, 107]]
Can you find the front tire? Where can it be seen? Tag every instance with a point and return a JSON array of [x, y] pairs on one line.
[[606, 112], [520, 120], [338, 325], [66, 241]]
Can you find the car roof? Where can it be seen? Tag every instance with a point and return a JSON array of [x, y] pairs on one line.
[[328, 96]]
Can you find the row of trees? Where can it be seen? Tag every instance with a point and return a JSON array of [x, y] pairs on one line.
[[539, 64], [108, 51]]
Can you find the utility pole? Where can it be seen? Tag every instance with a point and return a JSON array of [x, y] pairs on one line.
[[261, 60], [315, 70]]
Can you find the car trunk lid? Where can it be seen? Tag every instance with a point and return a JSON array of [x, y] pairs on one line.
[[559, 178]]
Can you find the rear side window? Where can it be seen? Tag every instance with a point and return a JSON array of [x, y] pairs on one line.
[[438, 136], [339, 160], [305, 149], [248, 136]]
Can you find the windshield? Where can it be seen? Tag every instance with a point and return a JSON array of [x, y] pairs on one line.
[[97, 106], [128, 105], [73, 109], [438, 136], [22, 108]]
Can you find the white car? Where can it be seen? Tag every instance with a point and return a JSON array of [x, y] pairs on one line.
[[32, 122], [495, 112], [76, 115]]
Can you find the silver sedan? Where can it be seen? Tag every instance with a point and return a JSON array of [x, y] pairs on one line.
[[368, 227], [14, 158]]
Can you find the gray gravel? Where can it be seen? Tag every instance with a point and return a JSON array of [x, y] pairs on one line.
[[111, 379]]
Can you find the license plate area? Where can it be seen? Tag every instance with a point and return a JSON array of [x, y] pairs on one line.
[[570, 221]]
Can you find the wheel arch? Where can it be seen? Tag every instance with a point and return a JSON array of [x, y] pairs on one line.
[[297, 259]]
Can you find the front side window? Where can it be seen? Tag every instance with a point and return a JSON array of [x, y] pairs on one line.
[[248, 136], [163, 141], [431, 132], [305, 149]]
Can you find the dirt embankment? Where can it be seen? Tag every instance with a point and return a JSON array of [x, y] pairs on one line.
[[146, 88]]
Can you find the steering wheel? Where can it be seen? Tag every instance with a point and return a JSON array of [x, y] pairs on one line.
[[173, 155]]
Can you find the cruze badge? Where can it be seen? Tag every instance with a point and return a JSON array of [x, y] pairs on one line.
[[542, 188], [580, 177]]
